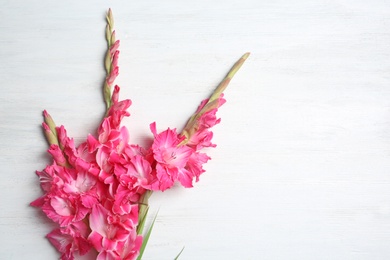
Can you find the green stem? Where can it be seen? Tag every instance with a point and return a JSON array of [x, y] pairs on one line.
[[143, 208]]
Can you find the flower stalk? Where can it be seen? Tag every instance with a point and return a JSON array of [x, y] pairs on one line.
[[98, 192], [143, 209], [213, 102], [111, 58], [225, 82]]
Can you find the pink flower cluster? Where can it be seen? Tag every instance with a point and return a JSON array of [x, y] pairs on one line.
[[97, 192], [93, 191]]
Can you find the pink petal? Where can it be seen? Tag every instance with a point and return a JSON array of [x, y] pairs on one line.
[[96, 240], [45, 179], [57, 154], [59, 240], [98, 219], [195, 164], [61, 206], [88, 201], [139, 167], [107, 255], [92, 143], [166, 177], [185, 177], [114, 47]]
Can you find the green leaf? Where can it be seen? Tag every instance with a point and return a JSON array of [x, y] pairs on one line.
[[141, 225], [177, 257], [146, 238]]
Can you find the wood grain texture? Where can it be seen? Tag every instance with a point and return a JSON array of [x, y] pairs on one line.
[[302, 167]]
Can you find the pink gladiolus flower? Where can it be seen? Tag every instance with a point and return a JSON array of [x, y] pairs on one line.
[[195, 164], [201, 139], [81, 184], [49, 178], [63, 243], [70, 240], [129, 249], [98, 192], [170, 157], [71, 154], [166, 150], [125, 200], [139, 173], [108, 135], [218, 103], [118, 109], [126, 250], [105, 235], [64, 210], [199, 134]]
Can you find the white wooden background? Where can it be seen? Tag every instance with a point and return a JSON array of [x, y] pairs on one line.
[[302, 167]]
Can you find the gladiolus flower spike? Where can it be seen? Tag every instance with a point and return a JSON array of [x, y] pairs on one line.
[[97, 192]]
